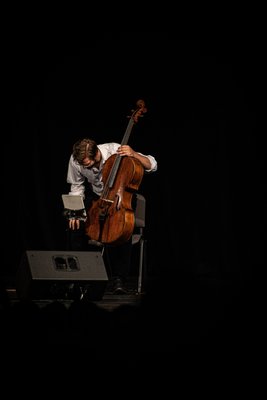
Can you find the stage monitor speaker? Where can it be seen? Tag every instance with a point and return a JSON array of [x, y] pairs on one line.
[[61, 275]]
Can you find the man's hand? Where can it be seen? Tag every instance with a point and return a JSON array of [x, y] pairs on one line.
[[126, 150], [74, 224]]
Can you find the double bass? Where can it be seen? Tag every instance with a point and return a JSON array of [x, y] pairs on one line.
[[110, 219]]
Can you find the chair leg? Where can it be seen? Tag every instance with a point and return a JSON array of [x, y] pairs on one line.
[[141, 267]]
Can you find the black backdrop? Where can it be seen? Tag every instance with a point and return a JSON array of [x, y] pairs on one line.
[[204, 205]]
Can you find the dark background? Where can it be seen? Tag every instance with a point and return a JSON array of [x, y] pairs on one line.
[[205, 202]]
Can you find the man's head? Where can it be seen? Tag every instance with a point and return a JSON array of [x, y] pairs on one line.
[[85, 152]]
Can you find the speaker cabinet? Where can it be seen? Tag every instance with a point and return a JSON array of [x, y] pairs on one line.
[[61, 275]]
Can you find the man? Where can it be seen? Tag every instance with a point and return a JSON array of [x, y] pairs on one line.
[[84, 175]]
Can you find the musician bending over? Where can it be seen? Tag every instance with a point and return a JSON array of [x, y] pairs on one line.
[[85, 172]]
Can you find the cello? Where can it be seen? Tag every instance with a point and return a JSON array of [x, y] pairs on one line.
[[110, 219]]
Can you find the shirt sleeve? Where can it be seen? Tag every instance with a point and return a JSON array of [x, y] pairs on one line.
[[153, 162], [75, 179]]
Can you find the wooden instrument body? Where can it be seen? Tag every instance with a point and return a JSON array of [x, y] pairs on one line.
[[111, 220]]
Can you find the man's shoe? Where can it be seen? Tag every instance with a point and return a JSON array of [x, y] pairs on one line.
[[118, 287]]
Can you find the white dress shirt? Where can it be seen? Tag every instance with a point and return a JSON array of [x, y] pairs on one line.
[[77, 174]]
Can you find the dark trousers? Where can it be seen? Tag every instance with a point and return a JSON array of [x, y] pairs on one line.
[[117, 258]]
